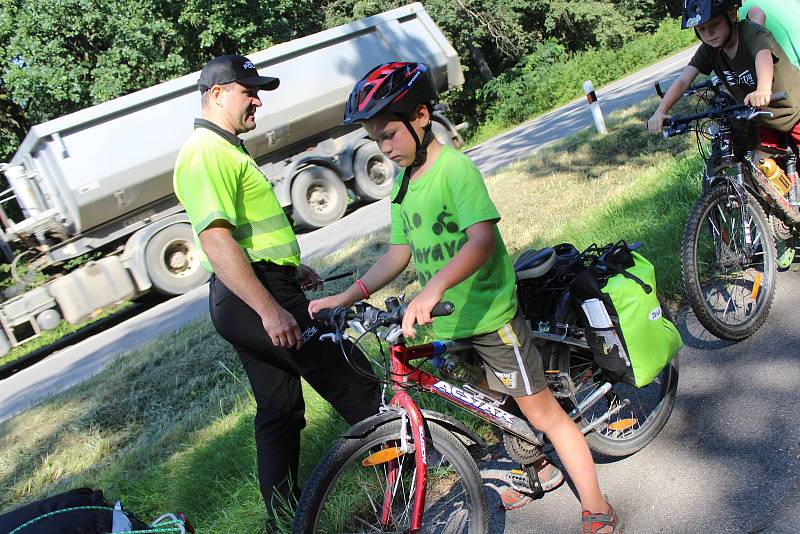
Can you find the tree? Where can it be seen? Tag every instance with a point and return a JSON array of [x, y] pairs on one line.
[[64, 55]]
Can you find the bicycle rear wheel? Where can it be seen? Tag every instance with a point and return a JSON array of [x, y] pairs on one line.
[[350, 488], [639, 413], [729, 263]]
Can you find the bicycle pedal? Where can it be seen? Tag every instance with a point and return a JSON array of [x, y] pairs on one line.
[[519, 481]]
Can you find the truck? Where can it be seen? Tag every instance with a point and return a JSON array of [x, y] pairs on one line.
[[98, 182]]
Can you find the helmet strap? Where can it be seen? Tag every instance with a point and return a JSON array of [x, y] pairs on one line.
[[419, 158]]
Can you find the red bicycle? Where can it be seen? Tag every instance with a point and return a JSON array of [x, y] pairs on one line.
[[409, 470]]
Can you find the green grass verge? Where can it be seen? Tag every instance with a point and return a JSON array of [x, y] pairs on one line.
[[169, 427]]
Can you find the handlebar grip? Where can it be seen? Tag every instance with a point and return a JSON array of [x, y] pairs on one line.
[[442, 309], [333, 316], [325, 315], [777, 97]]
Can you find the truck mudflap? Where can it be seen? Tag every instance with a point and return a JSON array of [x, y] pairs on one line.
[[467, 436]]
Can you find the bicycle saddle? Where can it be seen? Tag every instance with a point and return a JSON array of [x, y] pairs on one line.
[[535, 263]]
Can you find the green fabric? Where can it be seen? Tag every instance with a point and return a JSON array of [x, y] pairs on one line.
[[438, 208], [739, 73], [651, 340], [215, 180], [783, 21]]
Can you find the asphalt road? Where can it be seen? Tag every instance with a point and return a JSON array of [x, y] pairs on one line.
[[728, 459]]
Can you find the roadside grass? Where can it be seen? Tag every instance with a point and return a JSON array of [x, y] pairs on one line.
[[169, 426]]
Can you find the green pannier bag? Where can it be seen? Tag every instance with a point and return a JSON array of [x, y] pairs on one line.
[[640, 341]]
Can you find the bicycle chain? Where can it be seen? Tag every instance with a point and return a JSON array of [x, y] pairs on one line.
[[785, 209]]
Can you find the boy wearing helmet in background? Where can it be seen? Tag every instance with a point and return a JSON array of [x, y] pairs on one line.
[[443, 218], [746, 58]]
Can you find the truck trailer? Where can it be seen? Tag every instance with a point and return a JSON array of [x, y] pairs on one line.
[[99, 181]]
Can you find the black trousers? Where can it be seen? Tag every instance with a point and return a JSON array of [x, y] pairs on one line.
[[274, 374]]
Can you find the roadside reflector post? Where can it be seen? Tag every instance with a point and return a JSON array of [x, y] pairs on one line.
[[594, 106]]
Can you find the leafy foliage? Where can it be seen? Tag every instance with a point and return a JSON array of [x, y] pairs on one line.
[[58, 56]]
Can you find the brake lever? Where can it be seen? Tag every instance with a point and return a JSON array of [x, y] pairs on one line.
[[752, 113], [393, 334]]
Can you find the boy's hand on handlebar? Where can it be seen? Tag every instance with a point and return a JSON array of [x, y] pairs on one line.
[[656, 123], [333, 301], [758, 98], [419, 309]]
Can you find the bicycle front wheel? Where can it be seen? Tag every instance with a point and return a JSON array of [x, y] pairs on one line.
[[366, 485], [729, 265]]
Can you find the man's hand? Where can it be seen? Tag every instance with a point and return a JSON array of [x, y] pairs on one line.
[[308, 278], [282, 329], [758, 98], [656, 123], [419, 309], [333, 301]]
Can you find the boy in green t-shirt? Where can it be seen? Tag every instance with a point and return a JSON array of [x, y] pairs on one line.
[[443, 218], [748, 61]]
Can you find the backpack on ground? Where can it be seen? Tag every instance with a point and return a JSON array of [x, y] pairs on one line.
[[82, 511]]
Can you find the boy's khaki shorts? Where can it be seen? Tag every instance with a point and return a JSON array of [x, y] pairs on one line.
[[512, 363]]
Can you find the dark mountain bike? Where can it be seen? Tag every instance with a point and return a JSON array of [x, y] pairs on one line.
[[409, 470], [728, 255]]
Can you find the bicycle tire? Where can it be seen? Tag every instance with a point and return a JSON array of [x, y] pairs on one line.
[[659, 396], [710, 294], [653, 403], [324, 488]]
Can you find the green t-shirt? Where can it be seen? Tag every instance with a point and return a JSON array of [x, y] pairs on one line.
[[783, 21], [438, 208], [739, 73], [216, 179]]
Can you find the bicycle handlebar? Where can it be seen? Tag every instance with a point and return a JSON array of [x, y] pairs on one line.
[[374, 316], [680, 125]]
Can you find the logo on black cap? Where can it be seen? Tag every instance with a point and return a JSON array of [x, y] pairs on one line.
[[234, 68]]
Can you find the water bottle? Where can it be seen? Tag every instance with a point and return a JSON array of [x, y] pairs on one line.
[[455, 368], [775, 175]]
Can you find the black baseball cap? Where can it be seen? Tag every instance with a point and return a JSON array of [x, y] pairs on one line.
[[234, 68]]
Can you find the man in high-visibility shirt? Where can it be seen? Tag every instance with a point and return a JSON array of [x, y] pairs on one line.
[[255, 296], [781, 18]]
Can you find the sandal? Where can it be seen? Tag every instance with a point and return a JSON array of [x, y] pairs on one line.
[[593, 523]]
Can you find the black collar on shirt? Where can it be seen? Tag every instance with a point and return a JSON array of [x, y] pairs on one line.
[[222, 132]]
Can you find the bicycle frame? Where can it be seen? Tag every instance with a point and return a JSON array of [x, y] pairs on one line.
[[404, 376]]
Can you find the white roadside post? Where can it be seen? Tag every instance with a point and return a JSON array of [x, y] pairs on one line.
[[594, 106]]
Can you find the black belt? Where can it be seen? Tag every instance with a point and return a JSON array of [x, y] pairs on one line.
[[269, 267]]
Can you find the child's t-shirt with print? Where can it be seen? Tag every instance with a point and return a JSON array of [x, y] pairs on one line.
[[433, 218], [739, 72]]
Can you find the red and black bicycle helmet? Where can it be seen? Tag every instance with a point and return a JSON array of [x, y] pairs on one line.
[[396, 87]]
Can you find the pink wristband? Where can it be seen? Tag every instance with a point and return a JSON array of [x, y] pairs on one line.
[[360, 283]]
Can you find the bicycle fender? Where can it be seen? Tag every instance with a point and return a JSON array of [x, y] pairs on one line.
[[467, 436]]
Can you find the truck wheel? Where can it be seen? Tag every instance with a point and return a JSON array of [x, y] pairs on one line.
[[173, 261], [374, 172], [442, 133], [319, 197]]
